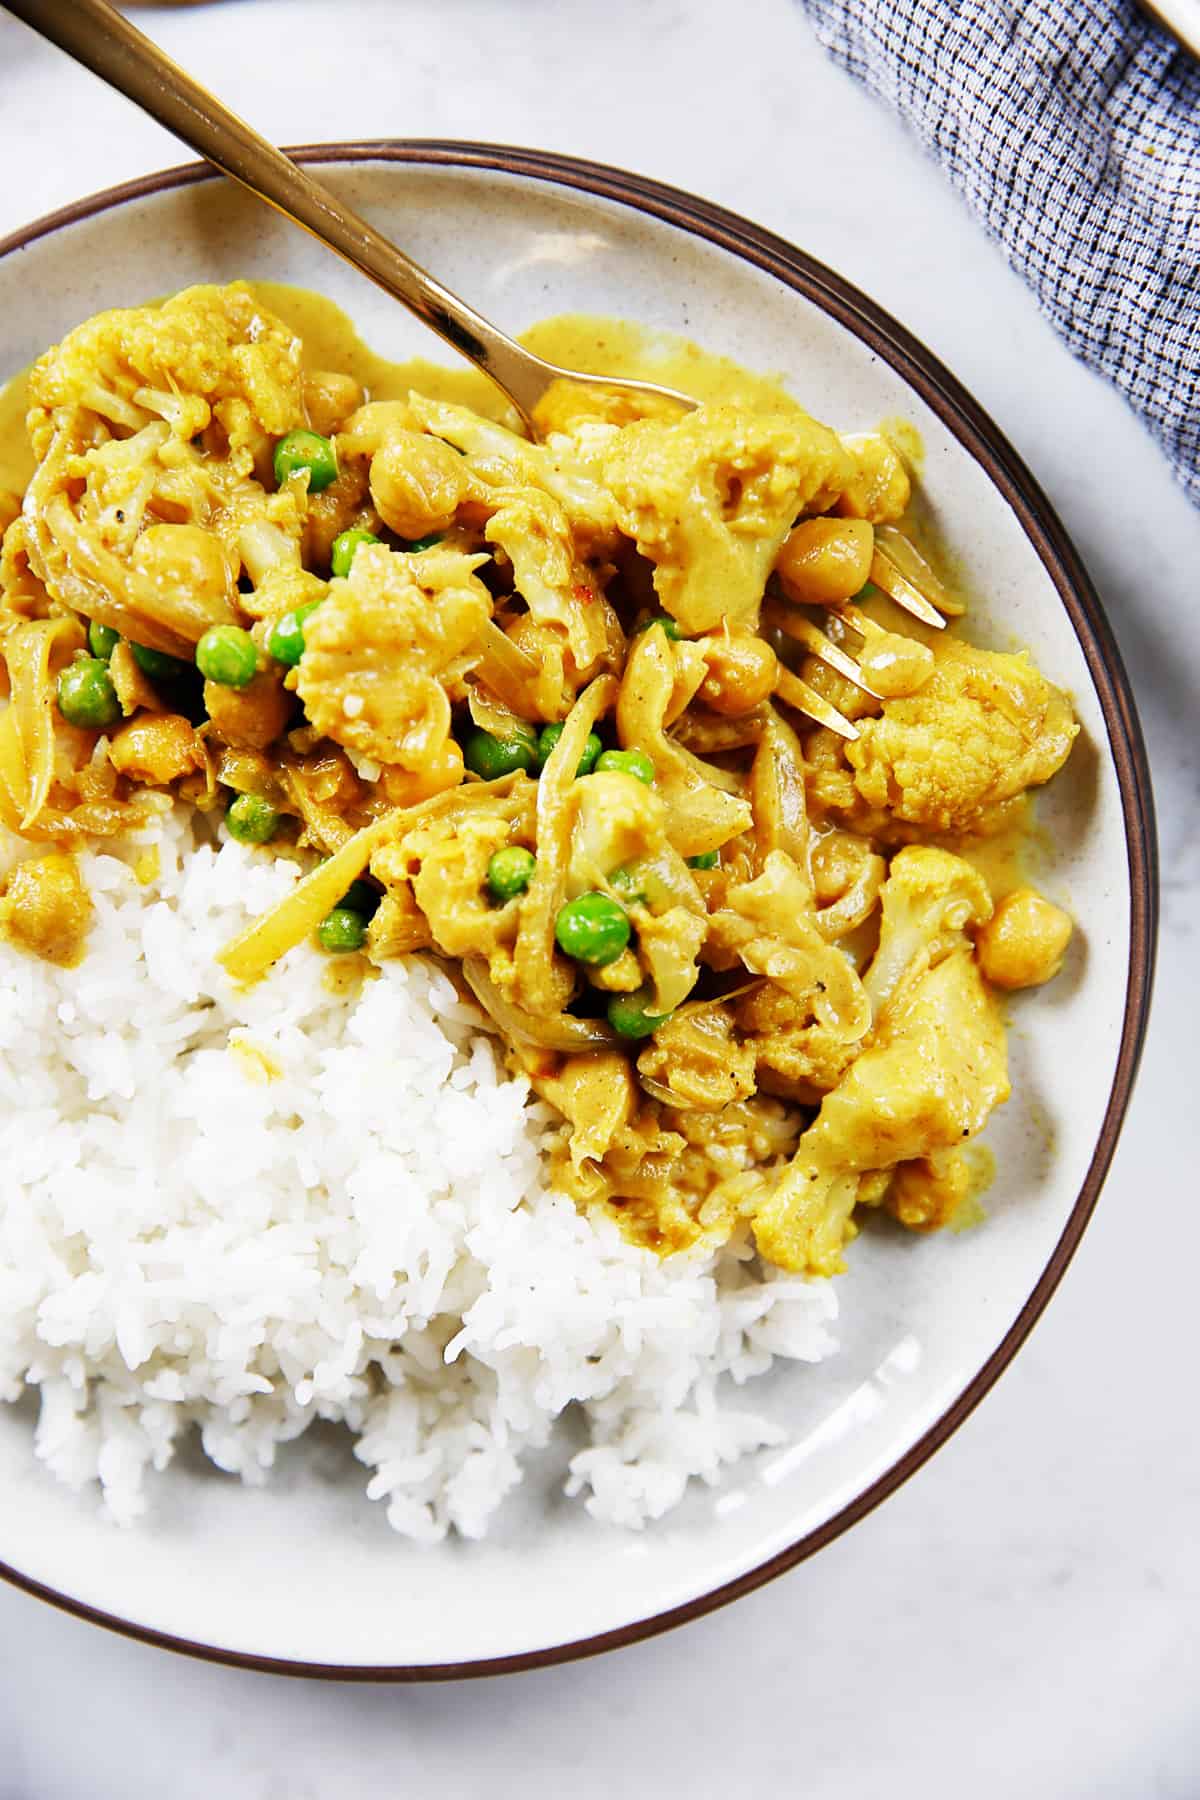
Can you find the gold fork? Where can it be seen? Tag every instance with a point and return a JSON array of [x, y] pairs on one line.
[[898, 570], [96, 35]]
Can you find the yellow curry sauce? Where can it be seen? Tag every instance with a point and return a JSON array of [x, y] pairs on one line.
[[545, 712]]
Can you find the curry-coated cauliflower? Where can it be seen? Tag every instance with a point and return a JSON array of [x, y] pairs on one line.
[[381, 649], [497, 459], [935, 1070], [151, 426], [981, 730], [533, 531], [207, 353], [795, 1056], [710, 498], [928, 903]]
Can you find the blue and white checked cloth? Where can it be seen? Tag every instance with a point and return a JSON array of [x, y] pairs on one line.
[[1073, 129]]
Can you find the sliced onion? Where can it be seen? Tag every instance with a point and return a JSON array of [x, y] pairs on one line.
[[563, 1033], [667, 1096], [27, 652], [667, 881], [250, 955], [504, 667]]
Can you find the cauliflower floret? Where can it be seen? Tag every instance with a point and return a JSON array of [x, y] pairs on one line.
[[380, 651], [982, 729], [569, 471], [614, 819], [159, 420], [928, 901], [559, 589], [930, 1192], [447, 863], [1024, 942], [770, 926], [437, 872], [936, 1069], [694, 1060], [710, 498], [794, 1056], [208, 352], [618, 842], [878, 488]]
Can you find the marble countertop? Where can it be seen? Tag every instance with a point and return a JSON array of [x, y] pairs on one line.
[[1022, 1617]]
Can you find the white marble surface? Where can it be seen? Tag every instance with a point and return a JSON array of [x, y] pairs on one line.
[[1022, 1617]]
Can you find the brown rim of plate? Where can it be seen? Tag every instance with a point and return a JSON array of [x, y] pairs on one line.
[[982, 439]]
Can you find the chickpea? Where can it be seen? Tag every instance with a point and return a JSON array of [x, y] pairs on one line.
[[329, 399], [851, 701], [417, 483], [157, 748], [186, 560], [741, 672], [1024, 941], [45, 909], [343, 505], [826, 561], [250, 717]]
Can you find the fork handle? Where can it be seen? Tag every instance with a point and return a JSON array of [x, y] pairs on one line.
[[96, 35]]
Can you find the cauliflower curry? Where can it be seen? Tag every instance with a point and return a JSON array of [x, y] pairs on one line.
[[535, 709]]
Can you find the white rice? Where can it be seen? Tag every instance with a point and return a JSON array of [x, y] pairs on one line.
[[365, 1236]]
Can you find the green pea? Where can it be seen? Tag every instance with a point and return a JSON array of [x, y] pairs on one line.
[[285, 640], [345, 546], [227, 655], [709, 860], [342, 930], [492, 757], [624, 882], [86, 695], [510, 871], [362, 898], [252, 820], [627, 762], [425, 543], [629, 1018], [549, 735], [668, 624], [593, 929], [102, 639], [301, 450], [157, 664]]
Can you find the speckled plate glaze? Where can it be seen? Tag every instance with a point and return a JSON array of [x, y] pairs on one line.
[[304, 1575]]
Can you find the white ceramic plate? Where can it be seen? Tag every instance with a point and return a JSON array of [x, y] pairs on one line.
[[306, 1574]]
